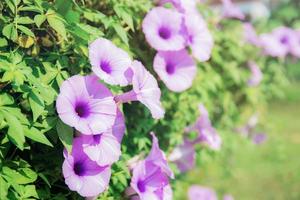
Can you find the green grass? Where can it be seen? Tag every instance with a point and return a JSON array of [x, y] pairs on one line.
[[267, 172]]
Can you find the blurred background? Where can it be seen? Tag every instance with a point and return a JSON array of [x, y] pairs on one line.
[[269, 170]]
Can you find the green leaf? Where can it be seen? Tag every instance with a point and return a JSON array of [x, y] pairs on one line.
[[36, 103], [15, 130], [124, 15], [3, 42], [57, 24], [22, 176], [30, 191], [3, 188], [26, 30], [10, 32], [65, 134], [39, 19], [121, 32], [24, 20], [37, 136], [6, 99]]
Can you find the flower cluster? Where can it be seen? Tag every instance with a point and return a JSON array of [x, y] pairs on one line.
[[184, 155], [280, 42], [89, 106], [172, 32]]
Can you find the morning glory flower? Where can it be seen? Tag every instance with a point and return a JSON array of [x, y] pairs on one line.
[[181, 5], [150, 177], [82, 174], [251, 35], [256, 74], [232, 11], [197, 192], [109, 62], [197, 36], [272, 46], [102, 148], [162, 28], [145, 90], [184, 156], [259, 138], [86, 104], [295, 46], [176, 69], [285, 36], [206, 133]]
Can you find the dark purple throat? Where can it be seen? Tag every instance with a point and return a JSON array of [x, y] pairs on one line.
[[82, 109], [170, 68], [97, 138], [164, 32], [141, 186], [79, 168], [105, 66], [284, 40]]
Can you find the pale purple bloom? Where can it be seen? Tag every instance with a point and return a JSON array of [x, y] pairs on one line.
[[103, 148], [181, 5], [295, 46], [176, 69], [83, 102], [272, 46], [232, 11], [228, 197], [285, 36], [109, 62], [256, 74], [162, 28], [82, 174], [145, 90], [251, 35], [197, 35], [184, 156], [150, 177], [259, 138], [118, 129], [197, 192], [206, 132]]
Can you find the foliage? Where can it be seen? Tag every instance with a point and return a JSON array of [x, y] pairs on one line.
[[44, 42]]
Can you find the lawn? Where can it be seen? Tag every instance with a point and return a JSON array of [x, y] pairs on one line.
[[269, 171]]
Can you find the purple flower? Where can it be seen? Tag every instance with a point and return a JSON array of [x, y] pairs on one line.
[[259, 138], [295, 46], [109, 62], [232, 11], [206, 132], [197, 35], [197, 192], [181, 5], [162, 29], [145, 90], [82, 174], [176, 69], [150, 176], [285, 36], [272, 46], [184, 156], [256, 74], [251, 35], [103, 148], [228, 197], [83, 102]]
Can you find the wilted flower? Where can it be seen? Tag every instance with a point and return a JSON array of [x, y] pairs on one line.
[[197, 35], [251, 35], [150, 176], [162, 28], [109, 62], [232, 11], [197, 192], [83, 102], [82, 174], [176, 69], [145, 90], [206, 132], [256, 74], [184, 156]]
